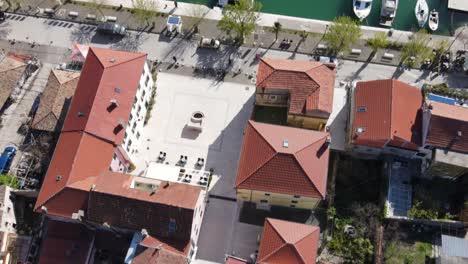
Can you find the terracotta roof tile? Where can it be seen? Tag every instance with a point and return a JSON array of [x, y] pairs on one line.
[[234, 260], [77, 156], [10, 72], [102, 81], [448, 127], [154, 251], [286, 242], [266, 165], [388, 111], [65, 242], [55, 100], [310, 84]]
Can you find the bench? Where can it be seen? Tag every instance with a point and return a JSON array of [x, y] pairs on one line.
[[388, 56], [321, 46], [91, 17], [356, 51], [73, 14], [111, 19]]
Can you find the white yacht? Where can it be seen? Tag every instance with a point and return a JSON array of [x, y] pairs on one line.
[[362, 8]]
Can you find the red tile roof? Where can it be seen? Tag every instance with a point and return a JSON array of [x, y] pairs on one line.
[[448, 127], [154, 251], [266, 165], [234, 260], [77, 156], [55, 100], [286, 242], [107, 75], [65, 242], [78, 177], [390, 112], [310, 84]]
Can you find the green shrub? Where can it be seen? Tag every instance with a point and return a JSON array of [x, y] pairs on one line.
[[418, 212], [9, 180]]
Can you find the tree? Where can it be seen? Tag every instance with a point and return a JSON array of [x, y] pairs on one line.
[[144, 10], [342, 33], [98, 5], [277, 27], [416, 50], [379, 41], [240, 18], [196, 14]]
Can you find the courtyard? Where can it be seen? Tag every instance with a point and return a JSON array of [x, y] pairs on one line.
[[226, 108]]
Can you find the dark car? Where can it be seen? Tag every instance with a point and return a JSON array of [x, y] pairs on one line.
[[110, 28], [2, 16], [6, 158]]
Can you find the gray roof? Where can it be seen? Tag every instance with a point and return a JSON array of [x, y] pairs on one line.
[[454, 246]]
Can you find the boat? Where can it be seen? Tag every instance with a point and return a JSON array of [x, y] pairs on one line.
[[422, 12], [388, 12], [362, 8], [434, 20]]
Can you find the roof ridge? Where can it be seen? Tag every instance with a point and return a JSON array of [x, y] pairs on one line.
[[277, 232], [313, 143], [307, 176], [266, 161], [130, 60], [268, 76]]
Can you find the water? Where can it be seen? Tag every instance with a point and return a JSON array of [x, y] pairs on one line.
[[329, 9]]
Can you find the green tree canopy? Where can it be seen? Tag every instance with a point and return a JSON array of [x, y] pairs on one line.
[[342, 33], [379, 41], [417, 50], [240, 18]]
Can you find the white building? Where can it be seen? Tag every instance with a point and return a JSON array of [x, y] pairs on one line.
[[123, 156]]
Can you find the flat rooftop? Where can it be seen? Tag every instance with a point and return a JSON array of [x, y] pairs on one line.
[[226, 107], [461, 5]]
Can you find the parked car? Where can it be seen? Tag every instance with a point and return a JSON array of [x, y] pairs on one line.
[[2, 16], [209, 43], [110, 28], [328, 60], [6, 158]]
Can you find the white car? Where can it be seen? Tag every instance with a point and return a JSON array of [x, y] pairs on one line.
[[328, 60], [209, 43]]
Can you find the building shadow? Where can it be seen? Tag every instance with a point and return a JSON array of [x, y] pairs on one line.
[[189, 133]]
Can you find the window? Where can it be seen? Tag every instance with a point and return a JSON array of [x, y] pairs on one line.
[[120, 163], [147, 80], [267, 194], [125, 136], [138, 135], [135, 100], [264, 201], [146, 104], [117, 90], [294, 201], [139, 108], [172, 225], [131, 117], [115, 156], [134, 125], [362, 109], [143, 94], [129, 144], [139, 86], [297, 196], [292, 206]]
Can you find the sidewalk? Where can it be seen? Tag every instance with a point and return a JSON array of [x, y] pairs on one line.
[[263, 37]]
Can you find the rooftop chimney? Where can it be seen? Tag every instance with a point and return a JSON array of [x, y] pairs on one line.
[[112, 60]]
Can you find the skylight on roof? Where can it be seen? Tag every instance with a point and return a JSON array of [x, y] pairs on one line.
[[362, 109], [285, 143], [117, 90]]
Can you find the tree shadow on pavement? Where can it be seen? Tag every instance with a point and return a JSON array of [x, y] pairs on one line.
[[82, 34], [4, 30], [131, 42]]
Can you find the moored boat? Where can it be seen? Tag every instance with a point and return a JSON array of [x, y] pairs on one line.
[[362, 8], [421, 10], [434, 20], [388, 12]]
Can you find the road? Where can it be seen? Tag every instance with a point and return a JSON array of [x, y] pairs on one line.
[[58, 34]]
